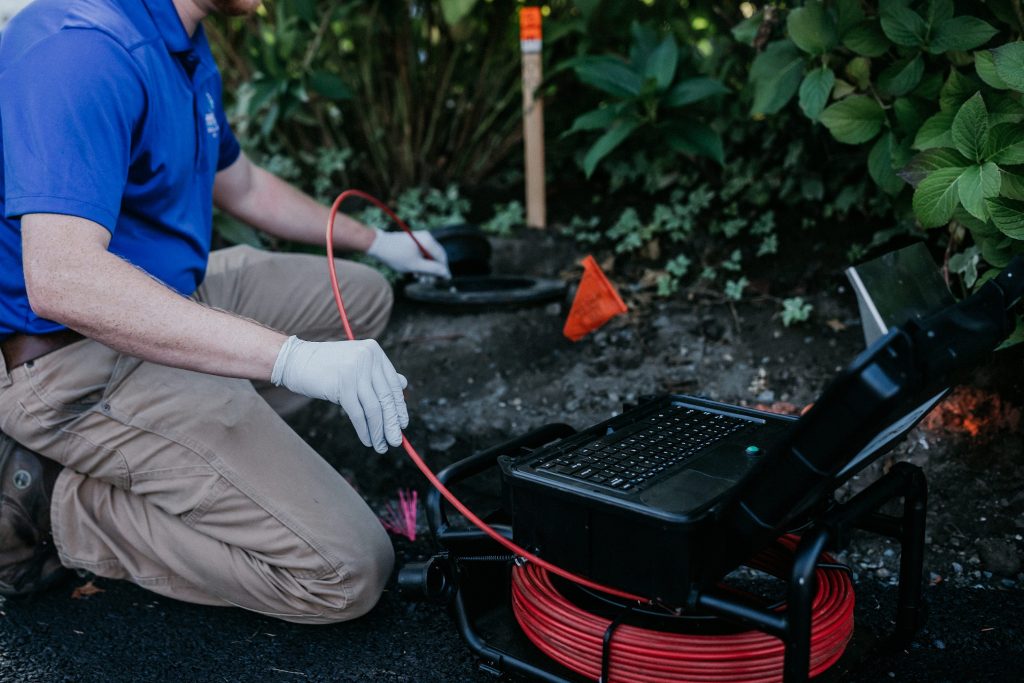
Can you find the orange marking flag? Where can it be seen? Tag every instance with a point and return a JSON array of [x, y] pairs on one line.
[[596, 302]]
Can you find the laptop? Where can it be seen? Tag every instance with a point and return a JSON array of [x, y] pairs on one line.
[[625, 501], [671, 455]]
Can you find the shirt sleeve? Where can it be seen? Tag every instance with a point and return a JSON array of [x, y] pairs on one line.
[[68, 107], [229, 147]]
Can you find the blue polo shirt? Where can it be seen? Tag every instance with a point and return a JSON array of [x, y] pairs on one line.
[[109, 111]]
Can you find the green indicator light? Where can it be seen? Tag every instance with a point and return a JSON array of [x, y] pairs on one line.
[[753, 450]]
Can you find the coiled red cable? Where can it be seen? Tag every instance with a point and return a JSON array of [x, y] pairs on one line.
[[574, 637]]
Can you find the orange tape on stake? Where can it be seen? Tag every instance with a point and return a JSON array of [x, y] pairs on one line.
[[596, 302], [530, 24]]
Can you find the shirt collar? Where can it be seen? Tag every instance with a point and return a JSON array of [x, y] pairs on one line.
[[168, 23]]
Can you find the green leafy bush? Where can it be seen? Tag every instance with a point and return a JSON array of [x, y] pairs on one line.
[[419, 93], [931, 95], [646, 95], [782, 191], [422, 209], [721, 142], [506, 218]]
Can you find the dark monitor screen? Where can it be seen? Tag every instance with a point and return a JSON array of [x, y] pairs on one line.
[[892, 289]]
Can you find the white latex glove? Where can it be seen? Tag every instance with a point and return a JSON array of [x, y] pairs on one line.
[[397, 250], [356, 375]]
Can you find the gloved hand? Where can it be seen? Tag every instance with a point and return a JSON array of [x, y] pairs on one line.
[[397, 250], [356, 375]]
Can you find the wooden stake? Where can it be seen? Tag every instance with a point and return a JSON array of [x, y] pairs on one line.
[[531, 41]]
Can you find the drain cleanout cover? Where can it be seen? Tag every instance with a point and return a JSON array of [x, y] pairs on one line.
[[487, 290]]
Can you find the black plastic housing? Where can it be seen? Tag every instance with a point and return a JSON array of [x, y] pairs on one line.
[[642, 543]]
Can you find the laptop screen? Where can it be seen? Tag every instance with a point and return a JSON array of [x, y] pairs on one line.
[[898, 286], [887, 435]]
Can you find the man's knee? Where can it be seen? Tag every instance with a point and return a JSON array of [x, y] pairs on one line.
[[367, 577], [356, 588], [377, 300]]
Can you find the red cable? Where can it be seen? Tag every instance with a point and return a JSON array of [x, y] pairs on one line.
[[330, 246], [574, 637]]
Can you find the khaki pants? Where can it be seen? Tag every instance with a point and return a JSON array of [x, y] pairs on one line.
[[191, 485]]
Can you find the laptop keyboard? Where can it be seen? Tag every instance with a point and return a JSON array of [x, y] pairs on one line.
[[628, 459]]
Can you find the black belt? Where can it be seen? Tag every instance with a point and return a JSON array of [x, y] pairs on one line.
[[19, 349]]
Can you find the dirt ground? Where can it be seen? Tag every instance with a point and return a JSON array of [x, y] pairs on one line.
[[480, 377]]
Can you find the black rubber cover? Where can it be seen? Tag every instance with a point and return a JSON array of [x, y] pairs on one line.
[[487, 290]]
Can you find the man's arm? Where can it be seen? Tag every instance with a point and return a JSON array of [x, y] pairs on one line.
[[264, 201], [72, 279]]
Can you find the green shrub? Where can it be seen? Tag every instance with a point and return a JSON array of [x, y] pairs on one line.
[[895, 116], [417, 93], [506, 218], [647, 96], [929, 92], [782, 188], [422, 209]]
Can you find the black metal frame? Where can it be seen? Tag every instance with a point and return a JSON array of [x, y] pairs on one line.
[[462, 549]]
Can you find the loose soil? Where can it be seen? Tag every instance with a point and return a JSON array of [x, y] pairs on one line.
[[480, 377]]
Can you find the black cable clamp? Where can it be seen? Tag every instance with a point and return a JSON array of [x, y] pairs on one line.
[[606, 647]]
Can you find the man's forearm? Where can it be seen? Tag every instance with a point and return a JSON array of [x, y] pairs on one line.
[[83, 286], [264, 201], [268, 203]]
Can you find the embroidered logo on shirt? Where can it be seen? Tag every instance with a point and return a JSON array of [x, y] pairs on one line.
[[212, 127]]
